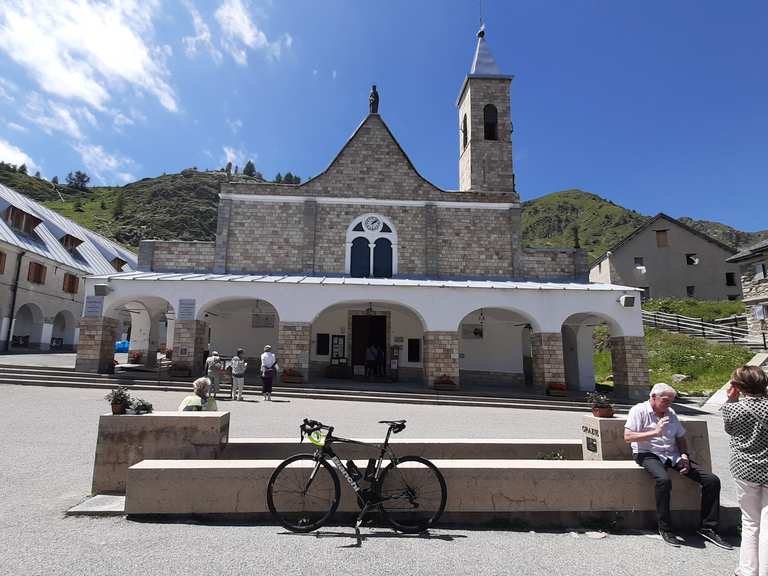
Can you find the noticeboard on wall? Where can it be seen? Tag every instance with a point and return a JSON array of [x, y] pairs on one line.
[[186, 309], [262, 320]]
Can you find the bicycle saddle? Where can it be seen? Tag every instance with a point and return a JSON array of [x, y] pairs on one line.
[[396, 425]]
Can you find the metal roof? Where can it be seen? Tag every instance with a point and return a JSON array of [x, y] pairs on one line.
[[349, 281], [484, 64], [750, 251], [93, 256]]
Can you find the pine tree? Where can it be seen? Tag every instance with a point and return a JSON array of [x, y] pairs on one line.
[[55, 180], [288, 178], [23, 168], [250, 169], [78, 180], [37, 174], [279, 178]]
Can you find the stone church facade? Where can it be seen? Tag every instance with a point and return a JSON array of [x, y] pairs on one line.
[[371, 253]]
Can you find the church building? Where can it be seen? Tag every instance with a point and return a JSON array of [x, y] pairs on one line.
[[370, 255]]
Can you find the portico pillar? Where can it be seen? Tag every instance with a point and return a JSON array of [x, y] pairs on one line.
[[629, 357], [441, 359], [190, 338], [548, 364], [45, 336], [96, 345], [293, 347]]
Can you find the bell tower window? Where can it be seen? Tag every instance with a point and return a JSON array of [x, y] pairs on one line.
[[371, 247], [464, 136], [490, 122]]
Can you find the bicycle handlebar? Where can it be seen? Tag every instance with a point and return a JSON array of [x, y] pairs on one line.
[[310, 427]]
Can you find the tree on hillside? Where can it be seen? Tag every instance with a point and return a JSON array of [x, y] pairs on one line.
[[250, 169], [279, 178], [237, 169], [23, 168], [229, 169], [55, 180], [119, 206], [37, 174], [288, 178], [78, 180]]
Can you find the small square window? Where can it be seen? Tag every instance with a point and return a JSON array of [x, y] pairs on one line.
[[2, 262], [36, 273], [691, 259], [690, 291], [414, 350], [323, 347], [730, 279], [71, 283], [662, 239], [639, 261]]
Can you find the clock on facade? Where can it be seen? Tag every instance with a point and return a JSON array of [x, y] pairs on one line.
[[372, 223]]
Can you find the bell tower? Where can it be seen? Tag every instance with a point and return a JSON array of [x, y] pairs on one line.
[[485, 126]]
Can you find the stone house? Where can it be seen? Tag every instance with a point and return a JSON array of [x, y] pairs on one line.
[[668, 259], [44, 259], [753, 270], [370, 253]]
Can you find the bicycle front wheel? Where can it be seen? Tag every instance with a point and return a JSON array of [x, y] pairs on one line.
[[412, 494], [303, 493]]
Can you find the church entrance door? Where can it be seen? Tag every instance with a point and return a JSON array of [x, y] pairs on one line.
[[367, 331]]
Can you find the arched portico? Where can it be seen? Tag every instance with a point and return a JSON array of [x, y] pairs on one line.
[[64, 331], [27, 329]]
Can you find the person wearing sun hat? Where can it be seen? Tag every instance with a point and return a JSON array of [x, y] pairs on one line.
[[269, 368]]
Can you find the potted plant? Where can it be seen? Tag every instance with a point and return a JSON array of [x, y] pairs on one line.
[[602, 407], [134, 357], [141, 406], [120, 399], [292, 376]]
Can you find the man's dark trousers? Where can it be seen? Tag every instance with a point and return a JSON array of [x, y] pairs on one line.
[[710, 490]]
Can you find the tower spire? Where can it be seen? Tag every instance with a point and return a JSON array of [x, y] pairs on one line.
[[484, 62]]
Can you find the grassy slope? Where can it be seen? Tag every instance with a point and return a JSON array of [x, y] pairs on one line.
[[708, 365]]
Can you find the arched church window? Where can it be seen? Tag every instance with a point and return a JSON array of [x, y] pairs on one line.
[[360, 262], [490, 122], [371, 247], [464, 135]]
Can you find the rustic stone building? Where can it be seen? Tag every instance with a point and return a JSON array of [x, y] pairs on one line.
[[371, 253], [753, 269]]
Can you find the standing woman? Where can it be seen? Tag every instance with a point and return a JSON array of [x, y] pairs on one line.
[[269, 368], [746, 421]]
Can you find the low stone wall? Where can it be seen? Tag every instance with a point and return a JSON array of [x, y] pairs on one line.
[[125, 440]]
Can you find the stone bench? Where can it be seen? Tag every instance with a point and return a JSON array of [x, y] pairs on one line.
[[535, 493], [440, 448]]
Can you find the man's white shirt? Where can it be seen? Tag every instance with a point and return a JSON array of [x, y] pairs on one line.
[[642, 418]]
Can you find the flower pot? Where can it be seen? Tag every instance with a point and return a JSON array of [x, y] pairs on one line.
[[118, 408], [602, 411]]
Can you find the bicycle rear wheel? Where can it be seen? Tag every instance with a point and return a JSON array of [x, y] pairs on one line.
[[303, 493], [412, 494]]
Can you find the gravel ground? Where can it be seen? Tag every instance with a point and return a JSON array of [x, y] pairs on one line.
[[46, 463]]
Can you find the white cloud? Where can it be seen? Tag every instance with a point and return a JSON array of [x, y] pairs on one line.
[[17, 127], [202, 38], [7, 88], [238, 156], [104, 166], [51, 116], [239, 33], [333, 74], [235, 125], [15, 155], [82, 49], [314, 72]]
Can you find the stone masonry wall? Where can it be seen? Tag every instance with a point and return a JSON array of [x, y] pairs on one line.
[[554, 264], [629, 358], [176, 256], [293, 347], [190, 339], [548, 364], [96, 348], [755, 289], [441, 356]]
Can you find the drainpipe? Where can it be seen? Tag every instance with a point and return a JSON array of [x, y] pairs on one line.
[[14, 290]]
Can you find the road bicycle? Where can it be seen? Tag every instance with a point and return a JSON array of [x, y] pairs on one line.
[[303, 492]]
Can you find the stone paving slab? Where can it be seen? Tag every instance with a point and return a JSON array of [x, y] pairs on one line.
[[100, 505]]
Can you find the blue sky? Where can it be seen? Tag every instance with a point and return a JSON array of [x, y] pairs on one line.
[[657, 106]]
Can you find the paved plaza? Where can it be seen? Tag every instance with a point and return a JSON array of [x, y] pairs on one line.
[[49, 437]]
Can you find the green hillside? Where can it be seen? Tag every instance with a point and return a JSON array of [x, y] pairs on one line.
[[183, 206]]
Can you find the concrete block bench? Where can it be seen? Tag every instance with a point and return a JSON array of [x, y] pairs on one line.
[[535, 493], [441, 448], [127, 439]]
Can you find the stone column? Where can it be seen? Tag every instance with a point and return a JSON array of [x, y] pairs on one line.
[[96, 345], [190, 338], [548, 364], [441, 358], [293, 347], [629, 357], [45, 336]]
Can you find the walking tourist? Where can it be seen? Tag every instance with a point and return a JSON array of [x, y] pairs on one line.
[[746, 421], [239, 366], [200, 399], [214, 369], [658, 444], [269, 368]]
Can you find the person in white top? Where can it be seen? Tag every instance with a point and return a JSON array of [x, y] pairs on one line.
[[658, 443], [269, 368], [239, 365]]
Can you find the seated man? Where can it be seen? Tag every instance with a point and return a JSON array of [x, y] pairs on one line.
[[200, 400], [658, 443]]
